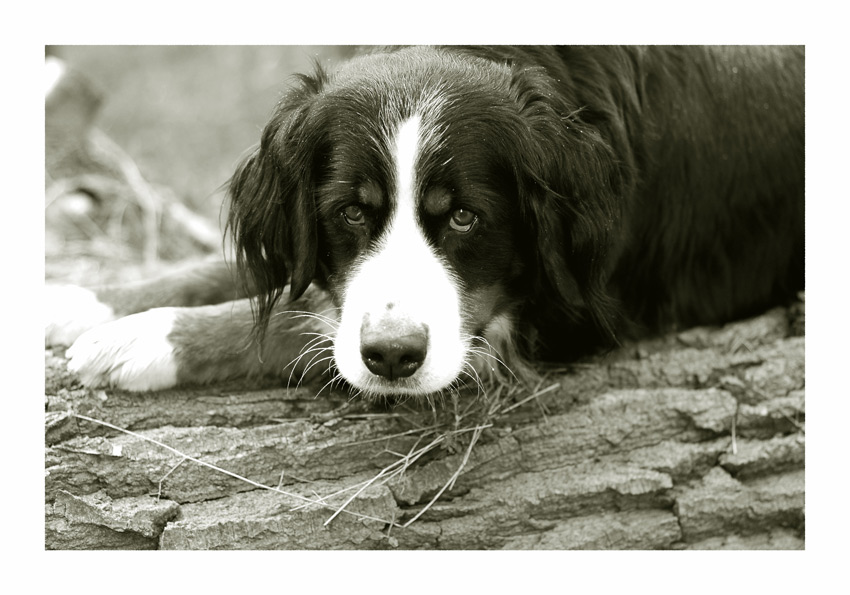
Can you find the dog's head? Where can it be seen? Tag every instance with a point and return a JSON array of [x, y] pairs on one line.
[[443, 199]]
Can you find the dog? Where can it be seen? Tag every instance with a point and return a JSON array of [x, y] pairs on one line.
[[422, 217]]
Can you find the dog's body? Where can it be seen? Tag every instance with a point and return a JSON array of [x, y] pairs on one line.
[[435, 211]]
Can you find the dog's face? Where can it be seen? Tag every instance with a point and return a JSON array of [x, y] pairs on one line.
[[419, 255], [401, 183]]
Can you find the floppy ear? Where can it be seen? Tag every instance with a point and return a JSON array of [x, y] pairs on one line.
[[272, 215], [573, 188]]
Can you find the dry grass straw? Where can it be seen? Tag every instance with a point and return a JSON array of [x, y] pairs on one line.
[[202, 463], [480, 414], [464, 427]]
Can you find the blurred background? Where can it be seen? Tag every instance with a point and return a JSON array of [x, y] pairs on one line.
[[136, 133]]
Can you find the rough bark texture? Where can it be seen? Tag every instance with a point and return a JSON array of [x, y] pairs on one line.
[[633, 450]]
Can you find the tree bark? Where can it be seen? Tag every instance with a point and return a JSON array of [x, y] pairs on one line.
[[694, 440]]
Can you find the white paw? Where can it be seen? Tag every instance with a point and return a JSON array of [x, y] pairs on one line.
[[70, 311], [132, 353]]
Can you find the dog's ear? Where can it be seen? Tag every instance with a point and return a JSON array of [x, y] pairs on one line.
[[272, 215], [573, 185]]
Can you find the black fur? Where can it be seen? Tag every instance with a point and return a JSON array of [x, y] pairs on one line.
[[630, 190]]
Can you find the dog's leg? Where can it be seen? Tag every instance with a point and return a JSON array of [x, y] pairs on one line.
[[71, 310], [165, 347]]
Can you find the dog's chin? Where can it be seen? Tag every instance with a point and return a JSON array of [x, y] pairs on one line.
[[396, 391], [372, 387], [392, 393]]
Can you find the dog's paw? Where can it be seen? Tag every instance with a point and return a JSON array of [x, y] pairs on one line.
[[131, 353], [70, 311]]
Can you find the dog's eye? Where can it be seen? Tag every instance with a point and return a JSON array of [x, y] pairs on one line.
[[462, 220], [353, 215]]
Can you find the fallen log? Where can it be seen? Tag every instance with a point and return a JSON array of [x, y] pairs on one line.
[[692, 441]]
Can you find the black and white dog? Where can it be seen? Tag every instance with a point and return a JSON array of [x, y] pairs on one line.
[[438, 212]]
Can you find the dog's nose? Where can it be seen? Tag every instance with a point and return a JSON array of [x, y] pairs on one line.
[[393, 351]]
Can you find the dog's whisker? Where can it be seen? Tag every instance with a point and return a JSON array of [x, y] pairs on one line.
[[318, 340], [491, 349], [489, 356], [294, 364], [329, 383], [307, 349], [333, 323], [473, 373], [311, 312], [469, 371], [314, 346], [489, 353], [354, 393], [303, 374], [316, 363], [304, 352], [314, 334]]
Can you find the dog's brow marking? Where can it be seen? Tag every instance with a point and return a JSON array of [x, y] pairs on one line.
[[406, 152]]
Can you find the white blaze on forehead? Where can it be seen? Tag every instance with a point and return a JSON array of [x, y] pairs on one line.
[[403, 228], [402, 279], [406, 152]]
